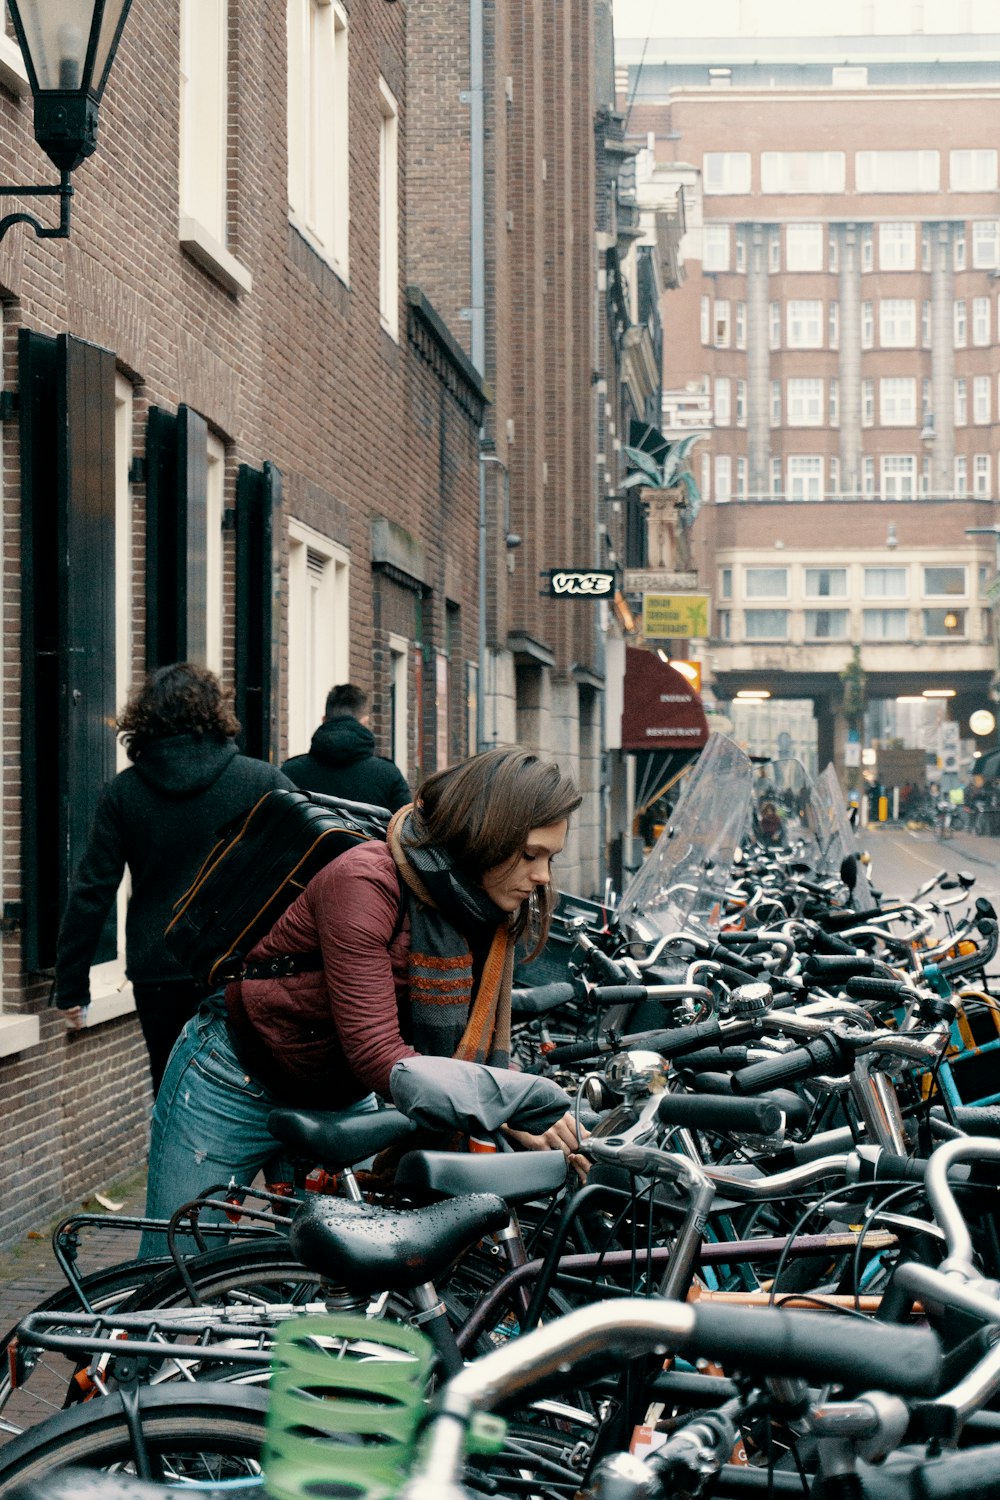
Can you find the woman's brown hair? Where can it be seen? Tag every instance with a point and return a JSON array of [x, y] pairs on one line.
[[183, 698], [481, 812]]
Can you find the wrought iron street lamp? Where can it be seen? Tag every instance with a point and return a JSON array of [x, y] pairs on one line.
[[68, 48]]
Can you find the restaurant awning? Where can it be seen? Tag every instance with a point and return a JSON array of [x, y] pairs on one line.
[[663, 722]]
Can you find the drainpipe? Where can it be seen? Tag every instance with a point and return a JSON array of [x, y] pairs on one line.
[[477, 187], [485, 458]]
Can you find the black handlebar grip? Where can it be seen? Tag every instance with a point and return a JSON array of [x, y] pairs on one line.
[[540, 998], [609, 971], [576, 1052], [835, 920], [618, 994], [902, 1361], [720, 1113], [876, 989], [825, 1054], [712, 1059], [682, 1039], [835, 966], [736, 960], [877, 1165], [828, 942]]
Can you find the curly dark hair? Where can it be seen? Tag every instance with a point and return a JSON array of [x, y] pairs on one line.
[[183, 698]]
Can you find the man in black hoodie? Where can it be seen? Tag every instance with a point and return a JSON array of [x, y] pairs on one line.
[[342, 760]]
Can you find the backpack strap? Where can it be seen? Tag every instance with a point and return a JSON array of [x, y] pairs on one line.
[[282, 965]]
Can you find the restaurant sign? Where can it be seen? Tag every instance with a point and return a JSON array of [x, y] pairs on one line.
[[671, 617]]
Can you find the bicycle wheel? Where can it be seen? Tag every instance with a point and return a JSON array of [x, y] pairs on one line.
[[256, 1273], [46, 1389], [195, 1435]]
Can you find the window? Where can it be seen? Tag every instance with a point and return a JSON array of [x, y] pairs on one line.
[[867, 325], [925, 475], [980, 321], [722, 402], [826, 583], [715, 255], [804, 247], [868, 403], [897, 247], [388, 248], [725, 172], [774, 325], [204, 116], [981, 399], [961, 401], [961, 476], [775, 403], [925, 325], [897, 323], [765, 624], [741, 479], [721, 331], [833, 324], [723, 477], [899, 476], [897, 171], [833, 469], [898, 401], [944, 622], [885, 583], [826, 624], [399, 655], [986, 245], [884, 624], [961, 324], [725, 618], [833, 251], [740, 250], [981, 475], [802, 171], [867, 248], [958, 247], [949, 580], [741, 325], [774, 250], [706, 319], [925, 247], [805, 324], [765, 583], [972, 171], [725, 583], [741, 403], [776, 478], [215, 489], [319, 628], [925, 398], [318, 146], [805, 402], [805, 477], [833, 403]]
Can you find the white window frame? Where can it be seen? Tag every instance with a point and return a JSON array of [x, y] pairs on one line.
[[897, 171], [803, 171], [725, 172], [981, 310], [985, 244], [805, 401], [961, 476], [973, 171], [981, 399], [215, 502], [804, 247], [715, 247], [981, 475], [203, 114], [721, 322], [740, 404], [833, 324], [774, 325], [961, 401], [833, 401], [897, 318], [867, 325], [805, 476], [960, 314], [897, 246], [318, 128], [899, 476], [319, 625], [958, 248], [868, 402], [399, 668], [388, 198], [897, 401], [833, 475], [779, 593], [804, 321], [723, 478], [740, 325], [722, 404], [706, 319]]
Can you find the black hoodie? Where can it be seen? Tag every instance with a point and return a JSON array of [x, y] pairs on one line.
[[159, 817], [342, 763]]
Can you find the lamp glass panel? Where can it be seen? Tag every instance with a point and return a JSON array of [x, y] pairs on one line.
[[111, 21], [56, 33]]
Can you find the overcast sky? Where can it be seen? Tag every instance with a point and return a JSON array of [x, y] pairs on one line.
[[665, 18]]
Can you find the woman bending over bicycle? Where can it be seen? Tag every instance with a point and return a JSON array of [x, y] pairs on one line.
[[393, 950]]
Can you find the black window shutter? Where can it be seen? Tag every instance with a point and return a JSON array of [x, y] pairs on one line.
[[67, 429], [258, 579], [176, 537]]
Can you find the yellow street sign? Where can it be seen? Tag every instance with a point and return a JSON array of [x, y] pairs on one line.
[[672, 617]]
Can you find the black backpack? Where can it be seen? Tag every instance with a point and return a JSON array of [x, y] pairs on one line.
[[262, 860]]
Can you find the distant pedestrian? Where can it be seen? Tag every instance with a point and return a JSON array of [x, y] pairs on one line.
[[342, 762], [158, 818]]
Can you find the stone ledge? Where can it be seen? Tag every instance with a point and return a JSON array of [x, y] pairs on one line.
[[18, 1033], [213, 257]]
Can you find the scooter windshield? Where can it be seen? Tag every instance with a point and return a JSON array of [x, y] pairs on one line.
[[681, 885], [785, 812], [836, 838]]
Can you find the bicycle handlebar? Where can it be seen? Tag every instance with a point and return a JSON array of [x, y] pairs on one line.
[[717, 1112], [829, 1053]]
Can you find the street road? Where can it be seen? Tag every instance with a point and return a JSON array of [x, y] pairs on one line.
[[902, 859]]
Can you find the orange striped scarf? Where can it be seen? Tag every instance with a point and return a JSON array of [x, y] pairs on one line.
[[447, 1019]]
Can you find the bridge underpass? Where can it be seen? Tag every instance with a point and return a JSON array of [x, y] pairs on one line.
[[972, 689]]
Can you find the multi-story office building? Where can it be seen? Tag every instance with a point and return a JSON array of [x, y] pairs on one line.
[[837, 334]]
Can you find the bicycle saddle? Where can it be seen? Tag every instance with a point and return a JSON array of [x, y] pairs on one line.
[[372, 1249], [338, 1139], [513, 1176]]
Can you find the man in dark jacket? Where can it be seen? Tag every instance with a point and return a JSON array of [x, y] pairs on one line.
[[342, 760]]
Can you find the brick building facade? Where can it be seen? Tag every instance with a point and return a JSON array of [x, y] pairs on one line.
[[219, 347]]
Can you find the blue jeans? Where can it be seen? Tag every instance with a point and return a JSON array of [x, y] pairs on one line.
[[209, 1122]]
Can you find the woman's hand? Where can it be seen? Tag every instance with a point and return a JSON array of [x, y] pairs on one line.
[[561, 1136], [75, 1015]]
